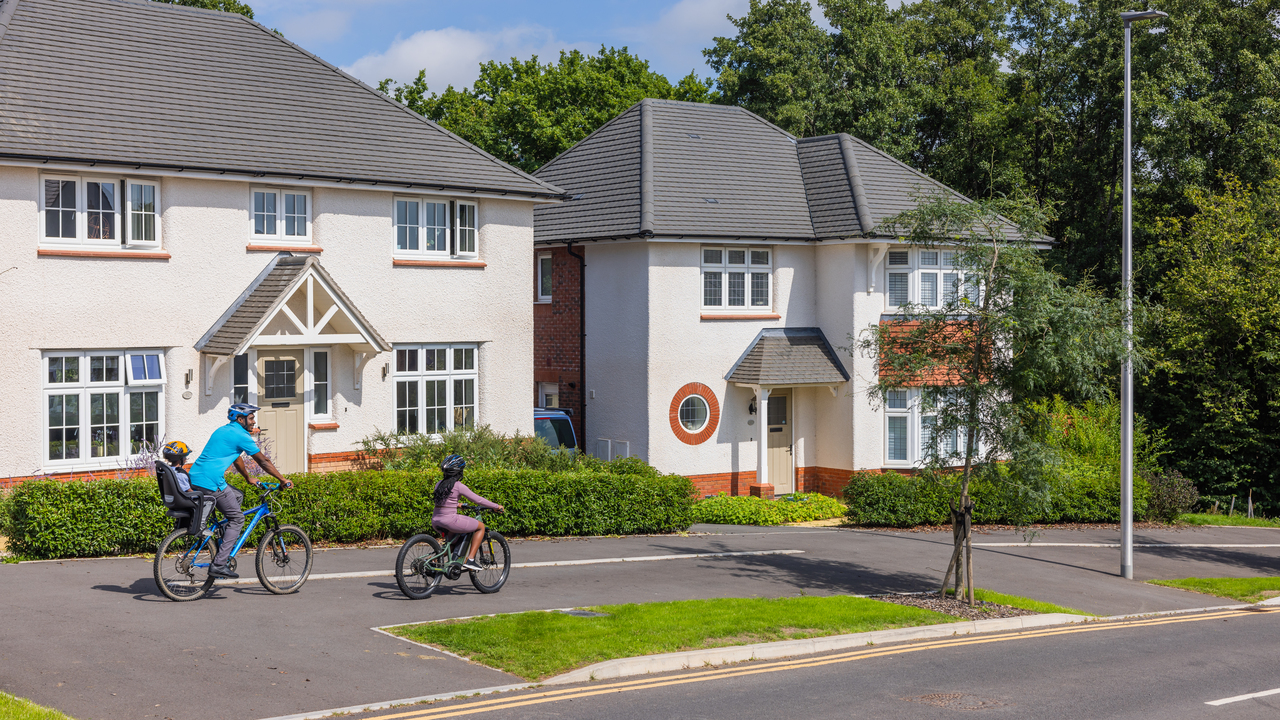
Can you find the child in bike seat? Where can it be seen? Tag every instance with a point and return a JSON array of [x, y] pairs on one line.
[[446, 519], [175, 453]]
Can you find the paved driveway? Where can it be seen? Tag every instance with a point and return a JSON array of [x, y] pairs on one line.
[[94, 638]]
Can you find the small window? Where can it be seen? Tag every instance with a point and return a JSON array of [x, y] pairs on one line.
[[464, 403], [896, 438], [896, 399], [435, 360], [144, 421], [464, 359], [898, 258], [104, 368], [407, 224], [240, 379], [899, 288], [101, 205], [320, 382], [544, 277], [466, 229], [279, 379], [60, 209], [295, 215], [264, 213], [145, 368], [281, 215], [549, 395], [142, 210], [694, 413], [64, 370]]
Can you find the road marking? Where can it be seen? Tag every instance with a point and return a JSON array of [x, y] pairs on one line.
[[741, 671], [1238, 698], [1137, 545], [553, 563]]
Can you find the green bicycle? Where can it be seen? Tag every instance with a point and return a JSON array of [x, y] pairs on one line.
[[423, 563]]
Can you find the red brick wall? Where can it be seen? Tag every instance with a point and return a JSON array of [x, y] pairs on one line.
[[828, 481], [557, 334]]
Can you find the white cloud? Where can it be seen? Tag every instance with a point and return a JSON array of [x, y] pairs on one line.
[[674, 42], [452, 56], [316, 27]]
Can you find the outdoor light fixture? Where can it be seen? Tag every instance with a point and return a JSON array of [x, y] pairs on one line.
[[1126, 376], [751, 407]]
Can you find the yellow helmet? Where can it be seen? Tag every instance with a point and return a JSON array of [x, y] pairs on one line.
[[176, 452]]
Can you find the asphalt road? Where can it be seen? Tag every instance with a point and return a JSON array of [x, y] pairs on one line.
[[93, 637]]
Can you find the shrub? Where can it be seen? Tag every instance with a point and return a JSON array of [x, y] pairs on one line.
[[747, 510], [78, 519], [1171, 495], [484, 447]]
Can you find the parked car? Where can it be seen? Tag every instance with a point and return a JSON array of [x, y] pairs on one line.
[[554, 427]]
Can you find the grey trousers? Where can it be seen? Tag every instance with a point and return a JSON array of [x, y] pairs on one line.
[[227, 501]]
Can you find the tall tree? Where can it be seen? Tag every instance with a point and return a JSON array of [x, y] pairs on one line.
[[526, 113], [231, 6]]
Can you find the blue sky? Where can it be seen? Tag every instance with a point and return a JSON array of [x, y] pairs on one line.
[[374, 39]]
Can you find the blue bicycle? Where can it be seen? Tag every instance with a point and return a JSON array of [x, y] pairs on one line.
[[282, 560]]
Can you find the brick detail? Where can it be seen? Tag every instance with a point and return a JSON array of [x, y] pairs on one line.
[[713, 414], [341, 462], [762, 490], [828, 481], [556, 334]]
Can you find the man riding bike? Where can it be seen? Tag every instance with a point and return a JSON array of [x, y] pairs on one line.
[[445, 518], [227, 447]]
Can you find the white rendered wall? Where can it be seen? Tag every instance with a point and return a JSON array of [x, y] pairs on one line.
[[618, 351], [98, 303], [868, 420]]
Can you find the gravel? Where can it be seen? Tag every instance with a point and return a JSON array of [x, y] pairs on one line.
[[950, 606]]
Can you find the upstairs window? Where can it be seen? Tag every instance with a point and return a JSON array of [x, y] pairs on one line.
[[737, 279], [544, 277], [280, 216], [99, 212], [433, 228], [925, 277]]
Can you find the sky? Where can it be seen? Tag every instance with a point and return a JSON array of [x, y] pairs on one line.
[[376, 39]]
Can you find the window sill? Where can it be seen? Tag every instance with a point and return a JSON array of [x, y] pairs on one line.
[[283, 248], [398, 262], [123, 254], [741, 316], [542, 302], [323, 426]]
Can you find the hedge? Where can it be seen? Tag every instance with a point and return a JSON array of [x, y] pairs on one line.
[[52, 519], [891, 499], [748, 510]]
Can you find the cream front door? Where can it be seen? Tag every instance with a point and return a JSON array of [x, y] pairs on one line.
[[781, 467], [283, 414]]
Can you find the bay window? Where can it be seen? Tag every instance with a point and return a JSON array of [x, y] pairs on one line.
[[910, 429], [926, 277]]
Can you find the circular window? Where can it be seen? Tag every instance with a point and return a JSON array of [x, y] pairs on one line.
[[694, 413]]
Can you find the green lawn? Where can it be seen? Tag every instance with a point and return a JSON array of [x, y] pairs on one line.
[[536, 645], [15, 708], [1248, 590], [1024, 603], [1229, 520]]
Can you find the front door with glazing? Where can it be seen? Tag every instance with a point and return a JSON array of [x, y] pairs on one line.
[[781, 467], [283, 414]]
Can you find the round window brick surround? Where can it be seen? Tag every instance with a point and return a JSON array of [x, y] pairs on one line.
[[713, 414]]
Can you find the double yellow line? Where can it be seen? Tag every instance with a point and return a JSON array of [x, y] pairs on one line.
[[756, 669]]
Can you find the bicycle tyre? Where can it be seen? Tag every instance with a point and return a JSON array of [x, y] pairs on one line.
[[495, 557], [416, 579], [276, 560], [172, 569]]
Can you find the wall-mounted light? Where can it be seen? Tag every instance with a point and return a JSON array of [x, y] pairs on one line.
[[386, 368], [191, 375], [751, 407]]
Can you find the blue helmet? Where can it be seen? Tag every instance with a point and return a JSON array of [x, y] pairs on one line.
[[239, 410], [453, 462]]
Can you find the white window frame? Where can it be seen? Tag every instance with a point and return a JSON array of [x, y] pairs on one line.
[[312, 391], [83, 388], [915, 271], [450, 374], [148, 380], [279, 237], [452, 225], [749, 270], [915, 412], [539, 277], [546, 389], [457, 239], [127, 220], [121, 213]]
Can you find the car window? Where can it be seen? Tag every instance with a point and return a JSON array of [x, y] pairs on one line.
[[565, 430], [544, 429]]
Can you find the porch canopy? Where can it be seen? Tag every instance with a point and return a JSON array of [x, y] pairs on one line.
[[292, 302], [785, 357]]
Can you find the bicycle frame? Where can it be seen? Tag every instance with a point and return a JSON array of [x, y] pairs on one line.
[[252, 516]]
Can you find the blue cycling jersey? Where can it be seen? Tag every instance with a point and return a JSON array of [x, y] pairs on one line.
[[224, 446]]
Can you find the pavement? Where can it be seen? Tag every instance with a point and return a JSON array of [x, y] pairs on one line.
[[94, 638]]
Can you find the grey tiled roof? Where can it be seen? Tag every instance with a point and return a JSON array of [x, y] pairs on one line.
[[653, 170], [143, 83], [231, 333], [789, 356]]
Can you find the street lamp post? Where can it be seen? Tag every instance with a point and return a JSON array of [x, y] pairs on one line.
[[1126, 377]]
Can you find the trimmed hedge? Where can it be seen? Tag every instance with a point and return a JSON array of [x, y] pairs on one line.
[[891, 499], [748, 510], [52, 519]]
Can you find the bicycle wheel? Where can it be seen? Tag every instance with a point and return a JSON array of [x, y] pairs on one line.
[[417, 566], [283, 559], [181, 567], [495, 557]]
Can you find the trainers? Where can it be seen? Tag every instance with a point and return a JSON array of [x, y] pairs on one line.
[[222, 571], [472, 566]]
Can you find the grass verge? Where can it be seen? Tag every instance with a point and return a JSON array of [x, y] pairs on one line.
[[1227, 520], [1250, 590], [536, 645], [1024, 603], [16, 708]]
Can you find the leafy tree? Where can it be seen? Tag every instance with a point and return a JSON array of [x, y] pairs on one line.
[[1216, 382], [526, 113], [1007, 334], [231, 6]]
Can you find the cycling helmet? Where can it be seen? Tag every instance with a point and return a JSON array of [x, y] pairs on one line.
[[453, 462], [176, 452], [239, 410]]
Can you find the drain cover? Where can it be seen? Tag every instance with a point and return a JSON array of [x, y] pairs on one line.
[[584, 613], [955, 701]]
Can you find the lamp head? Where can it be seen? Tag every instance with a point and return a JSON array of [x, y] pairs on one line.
[[1142, 15]]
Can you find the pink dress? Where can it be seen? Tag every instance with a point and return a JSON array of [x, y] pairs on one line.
[[446, 517]]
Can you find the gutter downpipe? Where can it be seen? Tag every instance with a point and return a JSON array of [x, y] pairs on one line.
[[582, 342]]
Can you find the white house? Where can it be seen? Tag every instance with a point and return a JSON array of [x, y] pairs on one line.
[[726, 263], [195, 211]]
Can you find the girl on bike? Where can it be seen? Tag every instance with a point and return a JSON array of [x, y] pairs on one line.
[[446, 519]]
